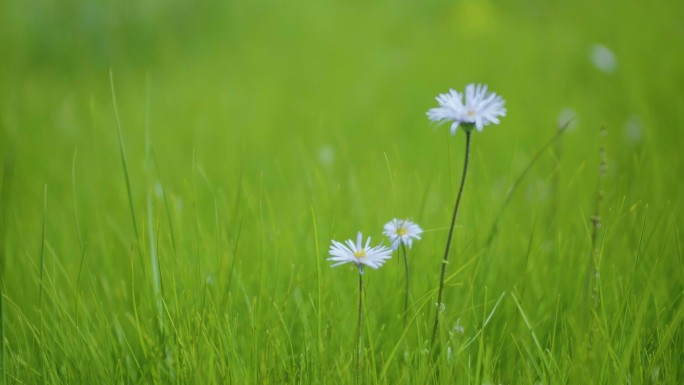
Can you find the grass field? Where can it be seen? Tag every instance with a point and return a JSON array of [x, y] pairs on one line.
[[173, 174]]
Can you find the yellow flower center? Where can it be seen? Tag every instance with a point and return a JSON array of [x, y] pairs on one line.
[[471, 113], [402, 231], [360, 253]]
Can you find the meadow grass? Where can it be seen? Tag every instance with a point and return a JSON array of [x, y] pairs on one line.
[[170, 223]]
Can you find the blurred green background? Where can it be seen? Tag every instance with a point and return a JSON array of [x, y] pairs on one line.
[[263, 83], [285, 110], [290, 94]]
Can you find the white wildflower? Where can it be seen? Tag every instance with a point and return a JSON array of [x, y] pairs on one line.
[[603, 58], [358, 253], [402, 231], [480, 109]]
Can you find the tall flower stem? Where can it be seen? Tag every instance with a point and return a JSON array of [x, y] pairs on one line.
[[451, 232], [406, 294], [358, 326]]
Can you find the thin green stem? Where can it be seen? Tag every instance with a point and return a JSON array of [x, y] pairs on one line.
[[166, 201], [592, 278], [78, 233], [449, 237], [40, 292], [42, 252], [123, 157], [406, 293], [8, 168], [358, 326]]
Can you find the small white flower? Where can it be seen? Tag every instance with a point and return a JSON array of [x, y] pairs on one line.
[[326, 155], [567, 119], [634, 129], [603, 58], [358, 253], [158, 189], [480, 109], [402, 231], [458, 328]]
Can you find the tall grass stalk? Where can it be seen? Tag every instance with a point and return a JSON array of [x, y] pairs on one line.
[[319, 286], [154, 258], [42, 252], [593, 266], [124, 164], [78, 233], [42, 333], [7, 171], [166, 202]]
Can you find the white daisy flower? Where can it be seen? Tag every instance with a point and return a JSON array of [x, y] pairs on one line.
[[480, 109], [402, 231], [358, 253], [603, 58]]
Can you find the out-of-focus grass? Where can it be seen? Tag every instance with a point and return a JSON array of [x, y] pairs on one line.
[[275, 122]]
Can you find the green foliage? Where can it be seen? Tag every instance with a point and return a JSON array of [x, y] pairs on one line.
[[275, 127]]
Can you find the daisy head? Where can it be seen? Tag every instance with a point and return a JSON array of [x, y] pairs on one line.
[[358, 253], [480, 108], [402, 231]]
